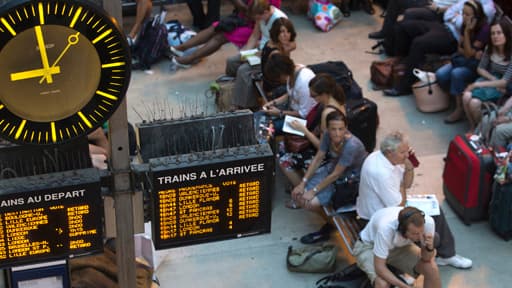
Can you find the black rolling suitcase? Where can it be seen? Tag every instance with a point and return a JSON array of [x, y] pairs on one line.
[[500, 210], [363, 120]]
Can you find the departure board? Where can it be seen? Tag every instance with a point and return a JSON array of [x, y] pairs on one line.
[[50, 217], [211, 196]]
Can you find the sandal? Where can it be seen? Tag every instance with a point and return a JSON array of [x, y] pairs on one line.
[[291, 204]]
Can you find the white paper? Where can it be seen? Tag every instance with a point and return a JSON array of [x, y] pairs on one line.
[[427, 203], [246, 53], [288, 129], [253, 60], [48, 282]]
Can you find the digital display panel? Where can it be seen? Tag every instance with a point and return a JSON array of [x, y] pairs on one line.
[[51, 223], [211, 198]]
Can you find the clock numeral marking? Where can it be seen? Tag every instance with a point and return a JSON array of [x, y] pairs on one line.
[[40, 8], [32, 136], [75, 18], [67, 131], [25, 135], [54, 132], [56, 8], [74, 129], [109, 96], [86, 121], [103, 35], [33, 10], [85, 15], [1, 106], [8, 26], [114, 64], [12, 130], [63, 9], [20, 129], [18, 14], [26, 12], [6, 126]]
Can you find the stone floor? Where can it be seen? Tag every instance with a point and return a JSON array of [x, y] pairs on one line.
[[259, 261]]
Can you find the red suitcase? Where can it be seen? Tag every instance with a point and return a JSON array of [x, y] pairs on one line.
[[467, 178]]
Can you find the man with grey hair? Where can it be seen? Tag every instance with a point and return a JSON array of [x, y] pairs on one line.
[[385, 176]]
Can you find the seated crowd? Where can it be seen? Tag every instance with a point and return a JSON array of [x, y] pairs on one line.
[[336, 161]]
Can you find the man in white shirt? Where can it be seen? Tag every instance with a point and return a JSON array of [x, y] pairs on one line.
[[385, 176], [402, 238]]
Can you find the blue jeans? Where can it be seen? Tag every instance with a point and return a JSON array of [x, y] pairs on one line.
[[455, 80]]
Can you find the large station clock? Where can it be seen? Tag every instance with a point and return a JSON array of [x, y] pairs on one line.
[[64, 69]]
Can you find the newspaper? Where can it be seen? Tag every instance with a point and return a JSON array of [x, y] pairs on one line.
[[426, 202]]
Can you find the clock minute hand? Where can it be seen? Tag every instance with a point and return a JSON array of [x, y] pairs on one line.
[[72, 40], [44, 56]]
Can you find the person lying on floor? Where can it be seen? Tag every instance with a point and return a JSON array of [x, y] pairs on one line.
[[235, 29]]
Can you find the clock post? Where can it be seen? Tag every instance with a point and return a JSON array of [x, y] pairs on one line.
[[123, 190]]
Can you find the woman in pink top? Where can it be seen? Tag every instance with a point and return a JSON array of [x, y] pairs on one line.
[[235, 29]]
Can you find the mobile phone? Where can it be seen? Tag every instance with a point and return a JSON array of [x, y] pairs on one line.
[[414, 161]]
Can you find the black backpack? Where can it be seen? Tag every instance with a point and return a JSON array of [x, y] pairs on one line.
[[343, 76], [151, 44]]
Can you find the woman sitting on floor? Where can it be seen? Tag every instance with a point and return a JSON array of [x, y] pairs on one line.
[[340, 156], [330, 96], [235, 29], [495, 71], [296, 101]]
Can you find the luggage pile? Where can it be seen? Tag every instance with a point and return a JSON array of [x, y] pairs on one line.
[[477, 183]]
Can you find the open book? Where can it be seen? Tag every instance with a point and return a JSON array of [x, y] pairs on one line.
[[288, 129]]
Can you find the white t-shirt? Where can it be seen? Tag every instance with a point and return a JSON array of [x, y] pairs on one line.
[[382, 230], [265, 26], [300, 100], [379, 185]]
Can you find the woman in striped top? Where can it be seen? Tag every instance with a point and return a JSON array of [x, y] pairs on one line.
[[494, 69]]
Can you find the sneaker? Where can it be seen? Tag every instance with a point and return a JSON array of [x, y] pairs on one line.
[[130, 41], [408, 279], [456, 261], [177, 52], [179, 65], [321, 235], [314, 237], [376, 35]]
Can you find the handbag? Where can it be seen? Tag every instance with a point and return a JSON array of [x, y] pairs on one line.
[[311, 259], [296, 143], [429, 96]]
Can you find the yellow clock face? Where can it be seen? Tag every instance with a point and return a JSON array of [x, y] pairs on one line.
[[65, 68]]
